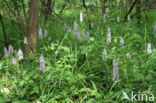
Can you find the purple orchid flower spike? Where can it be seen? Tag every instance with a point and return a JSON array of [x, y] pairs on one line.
[[14, 61], [115, 71], [104, 19], [25, 41], [149, 50], [155, 28], [45, 33], [5, 52], [88, 34], [104, 54], [20, 54], [42, 63], [11, 50], [81, 17], [129, 17], [75, 28], [108, 38], [121, 42], [40, 34], [106, 11], [128, 56], [65, 26]]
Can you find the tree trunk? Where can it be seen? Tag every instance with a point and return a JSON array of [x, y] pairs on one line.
[[87, 13], [138, 9], [47, 9], [33, 25], [3, 28]]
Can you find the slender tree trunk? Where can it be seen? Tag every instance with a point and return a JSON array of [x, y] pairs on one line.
[[3, 28], [138, 9], [48, 10], [87, 13], [33, 25], [14, 13], [20, 17]]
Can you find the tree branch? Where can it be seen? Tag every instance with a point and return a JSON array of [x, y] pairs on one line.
[[63, 7], [19, 16], [130, 9], [12, 11]]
